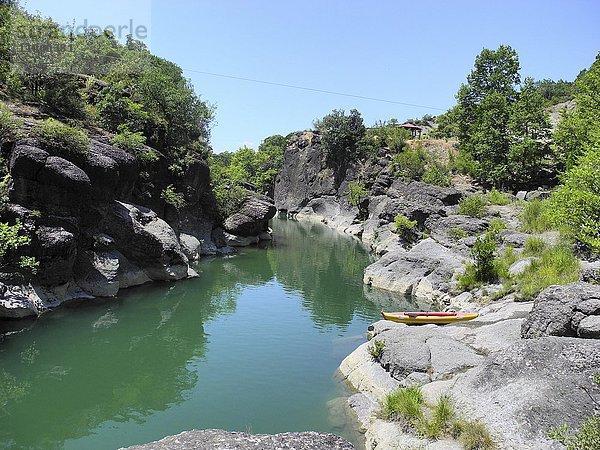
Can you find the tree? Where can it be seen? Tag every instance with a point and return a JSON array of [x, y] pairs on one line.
[[340, 134], [501, 127]]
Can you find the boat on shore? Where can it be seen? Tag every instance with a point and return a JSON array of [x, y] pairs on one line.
[[423, 317]]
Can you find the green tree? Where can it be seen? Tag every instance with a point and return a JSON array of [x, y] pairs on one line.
[[340, 134]]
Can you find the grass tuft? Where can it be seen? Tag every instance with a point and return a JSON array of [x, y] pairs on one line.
[[474, 206], [534, 218], [404, 404], [496, 197]]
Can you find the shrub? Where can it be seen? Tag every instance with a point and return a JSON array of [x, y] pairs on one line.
[[496, 197], [340, 133], [9, 125], [463, 163], [376, 350], [4, 187], [405, 227], [438, 175], [59, 138], [129, 141], [410, 164], [474, 206], [172, 197], [555, 265], [357, 193], [404, 404], [230, 199], [12, 239], [575, 204], [457, 233], [535, 218], [496, 225], [484, 267], [587, 438]]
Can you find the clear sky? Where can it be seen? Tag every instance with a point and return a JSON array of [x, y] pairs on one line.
[[409, 52]]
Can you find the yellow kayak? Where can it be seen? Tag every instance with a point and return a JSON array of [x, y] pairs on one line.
[[423, 318]]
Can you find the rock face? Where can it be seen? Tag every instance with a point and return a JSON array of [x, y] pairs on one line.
[[97, 225], [569, 310], [218, 439], [253, 218]]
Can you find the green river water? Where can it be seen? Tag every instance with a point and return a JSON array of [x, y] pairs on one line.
[[251, 345]]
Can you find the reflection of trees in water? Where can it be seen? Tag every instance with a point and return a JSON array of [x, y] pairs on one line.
[[390, 301], [325, 266], [108, 362]]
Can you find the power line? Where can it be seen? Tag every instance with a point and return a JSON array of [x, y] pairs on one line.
[[304, 88]]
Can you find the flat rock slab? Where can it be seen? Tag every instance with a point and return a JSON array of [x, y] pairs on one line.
[[224, 440]]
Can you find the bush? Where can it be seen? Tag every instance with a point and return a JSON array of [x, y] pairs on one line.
[[172, 197], [404, 404], [230, 199], [410, 164], [497, 225], [129, 141], [474, 206], [587, 438], [61, 139], [405, 227], [484, 268], [11, 239], [9, 125], [535, 217], [462, 163], [575, 204], [438, 175], [555, 265], [357, 193], [376, 350], [496, 197]]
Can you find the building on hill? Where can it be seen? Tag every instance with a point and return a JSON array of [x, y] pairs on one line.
[[415, 131]]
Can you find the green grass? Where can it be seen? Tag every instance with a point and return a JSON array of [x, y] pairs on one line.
[[474, 206], [56, 137], [534, 246], [457, 233], [473, 435], [534, 218], [497, 225], [404, 404], [496, 197], [555, 265], [405, 227]]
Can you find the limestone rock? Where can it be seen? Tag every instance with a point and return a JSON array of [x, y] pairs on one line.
[[557, 311], [218, 439]]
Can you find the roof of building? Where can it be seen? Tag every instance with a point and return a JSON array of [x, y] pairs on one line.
[[411, 126]]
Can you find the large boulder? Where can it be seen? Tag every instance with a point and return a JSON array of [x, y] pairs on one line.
[[97, 273], [146, 240], [569, 310], [252, 218], [113, 171], [56, 249], [218, 439], [424, 271]]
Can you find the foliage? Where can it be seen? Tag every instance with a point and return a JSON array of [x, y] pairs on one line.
[[535, 217], [4, 187], [575, 204], [129, 141], [340, 134], [9, 125], [554, 92], [457, 233], [230, 198], [555, 265], [61, 139], [497, 225], [172, 197], [596, 378], [534, 246], [463, 163], [404, 404], [447, 125], [474, 206], [376, 350], [496, 197], [437, 174], [11, 239], [578, 132], [410, 164], [443, 411], [586, 438], [503, 129], [405, 227], [357, 194], [483, 254], [388, 134]]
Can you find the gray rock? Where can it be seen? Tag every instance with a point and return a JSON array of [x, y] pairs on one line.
[[521, 195], [17, 302], [252, 218], [589, 327], [56, 249], [590, 272], [97, 273], [520, 266], [190, 246], [225, 440], [240, 241], [556, 307]]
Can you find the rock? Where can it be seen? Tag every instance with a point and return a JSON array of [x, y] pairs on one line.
[[538, 194], [521, 195], [218, 439], [190, 246], [589, 327], [423, 271], [266, 235], [97, 273], [146, 240], [56, 249], [130, 274], [26, 161], [17, 302], [65, 175], [590, 272], [520, 266], [252, 218], [556, 307], [112, 170], [240, 241]]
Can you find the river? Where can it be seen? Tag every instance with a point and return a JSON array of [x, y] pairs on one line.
[[251, 345]]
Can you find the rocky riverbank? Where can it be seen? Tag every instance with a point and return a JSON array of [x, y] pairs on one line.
[[519, 388], [97, 224]]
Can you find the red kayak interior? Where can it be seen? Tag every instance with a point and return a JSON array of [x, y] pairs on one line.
[[427, 313]]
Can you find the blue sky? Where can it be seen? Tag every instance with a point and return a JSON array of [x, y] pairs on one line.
[[410, 52]]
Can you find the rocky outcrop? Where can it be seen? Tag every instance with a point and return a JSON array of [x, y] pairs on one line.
[[571, 310], [253, 217], [218, 439]]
